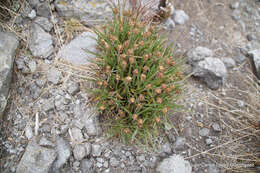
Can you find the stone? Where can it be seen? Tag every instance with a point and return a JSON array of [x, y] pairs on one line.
[[54, 76], [229, 62], [28, 132], [216, 127], [250, 37], [77, 135], [86, 166], [169, 23], [32, 66], [73, 87], [180, 17], [204, 132], [212, 71], [179, 143], [91, 122], [46, 143], [114, 162], [208, 141], [174, 164], [48, 105], [212, 168], [8, 45], [43, 9], [255, 56], [88, 148], [76, 51], [40, 42], [96, 150], [32, 14], [166, 148], [234, 5], [64, 151], [33, 3], [44, 23], [79, 152], [239, 55], [236, 15], [36, 159], [197, 54]]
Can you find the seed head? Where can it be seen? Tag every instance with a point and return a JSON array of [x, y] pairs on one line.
[[149, 86], [139, 106], [131, 60], [143, 77], [121, 113], [134, 116], [140, 122], [136, 31], [128, 79], [146, 57], [125, 13], [130, 51], [132, 100], [135, 46], [135, 72], [108, 69], [141, 98], [127, 130], [168, 90], [124, 64], [167, 61], [147, 34], [115, 11], [165, 110], [105, 83], [163, 86], [126, 44], [102, 41], [160, 75], [159, 100], [111, 102], [158, 91], [123, 56], [117, 77], [159, 54], [119, 47], [161, 68], [145, 68], [107, 47], [102, 107], [157, 119], [172, 63], [141, 43], [99, 83]]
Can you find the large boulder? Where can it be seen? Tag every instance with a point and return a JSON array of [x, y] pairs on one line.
[[76, 52], [36, 159], [174, 164], [255, 55], [8, 46], [40, 42]]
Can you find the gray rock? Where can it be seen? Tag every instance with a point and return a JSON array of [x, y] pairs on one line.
[[32, 66], [234, 5], [88, 148], [179, 143], [204, 132], [40, 42], [64, 151], [90, 120], [28, 132], [54, 76], [79, 152], [216, 127], [169, 23], [250, 37], [48, 105], [239, 55], [76, 51], [44, 23], [229, 62], [86, 11], [8, 46], [197, 54], [212, 71], [46, 143], [114, 162], [43, 9], [73, 87], [33, 3], [208, 141], [36, 159], [86, 166], [236, 15], [32, 14], [212, 168], [96, 150], [166, 148], [255, 55], [77, 135], [174, 164], [180, 17]]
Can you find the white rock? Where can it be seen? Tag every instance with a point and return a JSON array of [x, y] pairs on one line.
[[180, 17]]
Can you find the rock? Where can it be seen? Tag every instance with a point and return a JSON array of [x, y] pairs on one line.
[[54, 76], [33, 66], [170, 23], [204, 132], [90, 120], [36, 159], [32, 14], [88, 148], [96, 150], [239, 55], [216, 127], [212, 71], [234, 5], [40, 42], [33, 3], [77, 135], [255, 55], [166, 148], [179, 143], [28, 132], [75, 52], [174, 164], [250, 37], [64, 151], [48, 105], [79, 152], [212, 168], [88, 12], [180, 17], [197, 54], [229, 62], [114, 162], [208, 141], [73, 87], [45, 142], [236, 15], [43, 9], [86, 166], [44, 23], [8, 46]]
